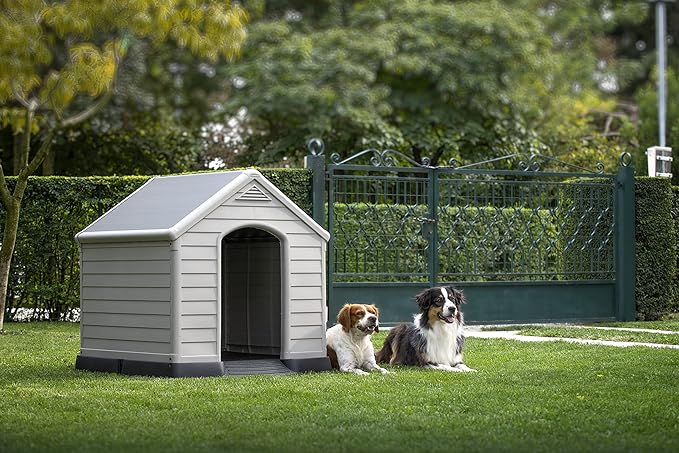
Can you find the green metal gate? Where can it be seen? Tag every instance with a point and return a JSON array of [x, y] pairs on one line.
[[525, 244]]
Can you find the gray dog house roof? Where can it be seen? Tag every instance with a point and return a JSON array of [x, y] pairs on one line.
[[167, 206]]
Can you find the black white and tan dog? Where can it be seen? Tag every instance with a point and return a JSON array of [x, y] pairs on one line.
[[348, 342], [436, 337]]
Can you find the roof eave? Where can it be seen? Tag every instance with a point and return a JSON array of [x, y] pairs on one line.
[[99, 237]]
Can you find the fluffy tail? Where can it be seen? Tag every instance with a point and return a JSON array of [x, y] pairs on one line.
[[384, 354]]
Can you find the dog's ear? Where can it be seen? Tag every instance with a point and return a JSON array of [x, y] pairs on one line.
[[424, 299], [458, 295], [344, 317], [375, 311]]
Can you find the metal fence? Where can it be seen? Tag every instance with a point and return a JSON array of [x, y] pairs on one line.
[[525, 243]]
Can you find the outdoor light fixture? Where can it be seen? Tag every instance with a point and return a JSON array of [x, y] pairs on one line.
[[660, 157]]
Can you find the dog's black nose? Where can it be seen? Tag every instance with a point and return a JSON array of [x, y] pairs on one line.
[[372, 318]]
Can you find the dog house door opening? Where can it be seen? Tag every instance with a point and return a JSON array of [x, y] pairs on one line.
[[251, 294]]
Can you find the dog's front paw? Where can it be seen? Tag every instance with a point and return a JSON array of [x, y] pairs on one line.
[[465, 368], [382, 370]]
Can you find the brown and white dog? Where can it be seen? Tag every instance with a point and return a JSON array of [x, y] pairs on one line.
[[436, 337], [348, 342]]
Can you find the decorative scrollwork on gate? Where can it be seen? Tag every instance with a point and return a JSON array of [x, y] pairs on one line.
[[532, 164], [392, 158], [316, 147], [377, 158], [625, 159], [536, 161]]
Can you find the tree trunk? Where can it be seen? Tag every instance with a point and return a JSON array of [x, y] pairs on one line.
[[12, 202], [17, 154], [9, 238], [49, 163]]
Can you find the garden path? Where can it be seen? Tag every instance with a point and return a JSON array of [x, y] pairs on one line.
[[478, 332]]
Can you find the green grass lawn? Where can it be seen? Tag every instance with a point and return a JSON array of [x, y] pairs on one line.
[[602, 334], [672, 323], [526, 397]]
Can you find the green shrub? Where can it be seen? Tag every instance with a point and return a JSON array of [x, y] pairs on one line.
[[675, 216], [656, 248], [497, 243], [143, 145], [45, 273], [295, 183]]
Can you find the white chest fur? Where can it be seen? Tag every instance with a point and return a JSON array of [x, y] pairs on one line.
[[351, 346], [442, 342]]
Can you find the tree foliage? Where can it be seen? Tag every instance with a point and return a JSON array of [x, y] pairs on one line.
[[56, 51], [143, 145], [344, 70], [58, 67], [421, 77], [445, 79]]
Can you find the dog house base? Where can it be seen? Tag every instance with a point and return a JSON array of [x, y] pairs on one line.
[[302, 365], [143, 368], [197, 369]]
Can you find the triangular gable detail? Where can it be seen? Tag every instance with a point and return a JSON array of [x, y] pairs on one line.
[[254, 193]]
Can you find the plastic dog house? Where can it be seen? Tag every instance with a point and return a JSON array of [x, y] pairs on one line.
[[197, 275]]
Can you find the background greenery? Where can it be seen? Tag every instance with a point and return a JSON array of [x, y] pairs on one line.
[[443, 78], [656, 248], [459, 79], [546, 397]]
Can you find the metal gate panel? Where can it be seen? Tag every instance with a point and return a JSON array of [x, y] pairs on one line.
[[376, 220], [508, 227], [525, 245]]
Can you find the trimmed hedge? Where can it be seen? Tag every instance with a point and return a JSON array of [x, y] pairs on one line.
[[45, 274], [656, 248], [497, 244], [675, 215]]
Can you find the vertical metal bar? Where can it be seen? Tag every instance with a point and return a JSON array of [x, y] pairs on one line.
[[589, 253], [624, 244], [316, 163], [331, 244], [433, 199]]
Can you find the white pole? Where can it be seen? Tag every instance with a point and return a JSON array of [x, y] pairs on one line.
[[660, 21], [660, 157]]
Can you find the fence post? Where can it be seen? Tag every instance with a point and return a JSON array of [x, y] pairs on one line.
[[625, 275], [315, 161], [433, 200]]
